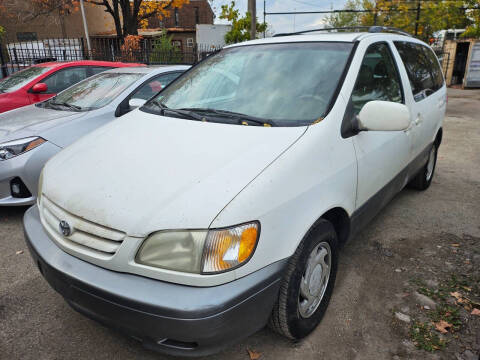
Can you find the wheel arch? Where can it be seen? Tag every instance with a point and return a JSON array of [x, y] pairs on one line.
[[340, 220], [438, 138]]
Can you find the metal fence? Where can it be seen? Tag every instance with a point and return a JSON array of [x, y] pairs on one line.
[[19, 55]]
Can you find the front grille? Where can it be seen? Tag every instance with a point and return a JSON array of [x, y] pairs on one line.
[[84, 236]]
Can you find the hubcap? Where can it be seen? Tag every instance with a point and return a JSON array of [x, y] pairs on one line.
[[431, 162], [315, 279]]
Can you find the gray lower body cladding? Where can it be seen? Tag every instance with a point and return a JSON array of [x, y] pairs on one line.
[[170, 318]]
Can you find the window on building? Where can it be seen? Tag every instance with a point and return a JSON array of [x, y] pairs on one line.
[[197, 15], [27, 36], [189, 42], [177, 19]]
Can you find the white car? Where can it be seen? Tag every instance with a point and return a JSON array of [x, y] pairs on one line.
[[222, 203], [32, 134]]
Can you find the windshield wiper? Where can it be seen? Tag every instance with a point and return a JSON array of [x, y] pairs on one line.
[[65, 104], [165, 109], [235, 115]]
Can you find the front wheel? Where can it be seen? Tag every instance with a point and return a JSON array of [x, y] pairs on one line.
[[308, 283], [423, 179]]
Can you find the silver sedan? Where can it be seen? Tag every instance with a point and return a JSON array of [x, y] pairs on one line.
[[31, 135]]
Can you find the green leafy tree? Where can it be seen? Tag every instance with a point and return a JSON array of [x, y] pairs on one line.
[[434, 15], [164, 52], [2, 31], [240, 25]]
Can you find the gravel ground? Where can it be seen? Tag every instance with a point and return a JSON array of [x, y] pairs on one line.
[[395, 280]]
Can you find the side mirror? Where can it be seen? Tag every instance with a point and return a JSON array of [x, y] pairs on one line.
[[136, 103], [39, 88], [383, 116]]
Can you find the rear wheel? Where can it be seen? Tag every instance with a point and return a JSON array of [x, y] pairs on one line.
[[308, 283], [423, 179]]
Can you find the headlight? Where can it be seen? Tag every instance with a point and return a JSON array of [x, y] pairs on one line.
[[200, 251], [17, 147]]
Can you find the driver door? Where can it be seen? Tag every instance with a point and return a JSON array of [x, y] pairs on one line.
[[382, 156]]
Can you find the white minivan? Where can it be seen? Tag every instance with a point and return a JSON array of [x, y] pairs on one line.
[[222, 203]]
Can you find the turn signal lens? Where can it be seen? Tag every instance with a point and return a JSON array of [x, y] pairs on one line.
[[226, 249]]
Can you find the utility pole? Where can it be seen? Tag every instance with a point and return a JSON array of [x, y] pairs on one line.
[[85, 27], [375, 13], [264, 14], [252, 9], [418, 16]]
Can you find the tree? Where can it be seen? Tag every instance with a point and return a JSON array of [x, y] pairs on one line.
[[27, 11], [240, 30], [129, 15], [434, 15], [164, 52]]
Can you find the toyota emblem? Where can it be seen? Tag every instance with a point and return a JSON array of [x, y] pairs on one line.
[[65, 228]]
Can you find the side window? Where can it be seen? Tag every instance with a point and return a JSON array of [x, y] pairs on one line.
[[419, 69], [434, 67], [98, 69], [153, 86], [65, 78], [378, 78]]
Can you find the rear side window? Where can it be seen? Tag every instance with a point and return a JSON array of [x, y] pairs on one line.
[[422, 68], [436, 70]]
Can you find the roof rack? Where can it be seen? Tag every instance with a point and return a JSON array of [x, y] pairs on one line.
[[370, 29]]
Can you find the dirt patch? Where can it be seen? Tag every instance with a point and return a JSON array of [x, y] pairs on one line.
[[436, 310]]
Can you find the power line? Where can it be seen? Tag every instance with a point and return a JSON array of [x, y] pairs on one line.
[[353, 11]]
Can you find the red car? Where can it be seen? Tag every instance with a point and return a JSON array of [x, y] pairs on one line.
[[42, 81]]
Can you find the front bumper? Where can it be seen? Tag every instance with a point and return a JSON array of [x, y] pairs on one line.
[[27, 167], [170, 318]]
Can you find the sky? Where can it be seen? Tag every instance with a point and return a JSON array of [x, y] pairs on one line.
[[286, 23]]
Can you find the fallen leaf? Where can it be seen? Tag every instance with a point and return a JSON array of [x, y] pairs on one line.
[[442, 326], [467, 288], [456, 245], [19, 252], [475, 312], [456, 295], [254, 355]]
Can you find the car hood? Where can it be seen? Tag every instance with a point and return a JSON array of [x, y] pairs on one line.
[[32, 120], [143, 172]]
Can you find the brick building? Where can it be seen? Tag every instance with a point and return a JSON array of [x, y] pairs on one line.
[[52, 25], [181, 24]]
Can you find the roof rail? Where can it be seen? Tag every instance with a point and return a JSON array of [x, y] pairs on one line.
[[370, 29]]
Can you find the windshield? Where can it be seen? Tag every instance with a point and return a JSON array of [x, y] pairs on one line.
[[21, 78], [92, 93], [275, 84]]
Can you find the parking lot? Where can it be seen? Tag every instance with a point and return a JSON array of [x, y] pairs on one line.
[[419, 243]]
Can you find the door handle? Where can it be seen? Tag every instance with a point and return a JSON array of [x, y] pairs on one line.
[[418, 120]]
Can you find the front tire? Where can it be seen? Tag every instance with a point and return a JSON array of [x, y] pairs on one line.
[[308, 283], [423, 179]]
